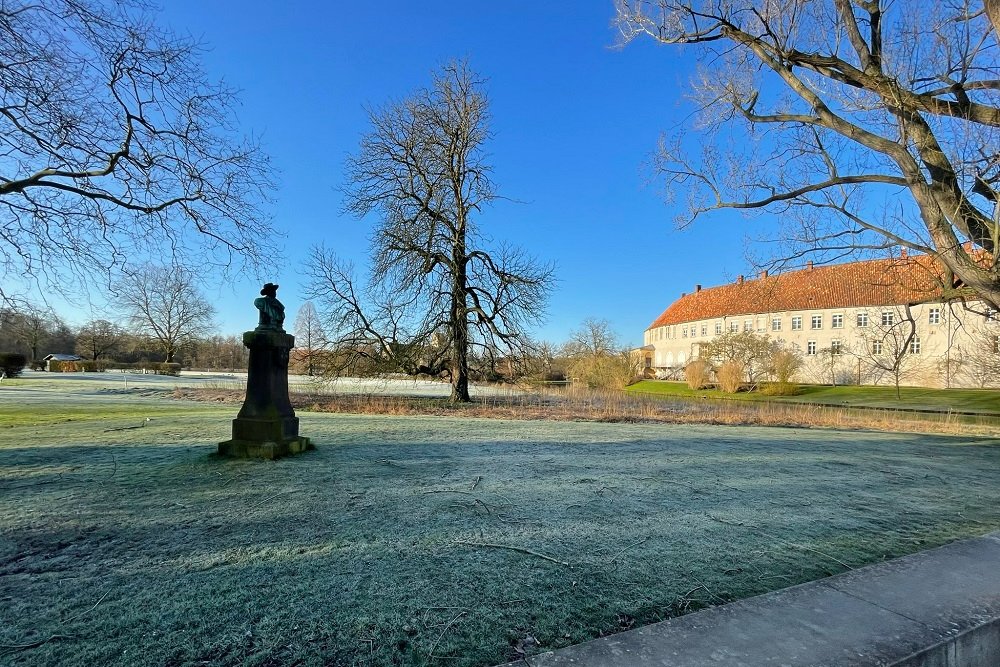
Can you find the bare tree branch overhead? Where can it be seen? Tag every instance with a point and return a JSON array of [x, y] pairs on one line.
[[436, 292], [865, 124], [115, 148]]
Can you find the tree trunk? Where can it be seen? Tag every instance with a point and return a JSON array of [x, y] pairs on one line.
[[460, 328], [170, 356]]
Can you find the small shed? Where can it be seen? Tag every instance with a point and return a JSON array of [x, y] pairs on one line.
[[59, 357]]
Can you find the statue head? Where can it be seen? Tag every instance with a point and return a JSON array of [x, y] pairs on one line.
[[270, 289]]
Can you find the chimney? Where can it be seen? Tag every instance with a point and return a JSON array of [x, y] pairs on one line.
[[763, 274], [809, 265], [683, 294], [739, 279], [697, 288], [902, 253]]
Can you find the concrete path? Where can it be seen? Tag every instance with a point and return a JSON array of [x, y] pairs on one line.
[[938, 608]]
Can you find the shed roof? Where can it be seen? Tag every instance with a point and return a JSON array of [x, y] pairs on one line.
[[878, 282]]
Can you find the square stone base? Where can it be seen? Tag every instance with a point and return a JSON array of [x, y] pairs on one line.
[[248, 449]]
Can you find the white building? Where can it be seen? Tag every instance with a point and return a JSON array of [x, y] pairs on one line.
[[850, 322]]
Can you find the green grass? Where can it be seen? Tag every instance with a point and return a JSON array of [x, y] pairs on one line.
[[420, 540], [984, 401]]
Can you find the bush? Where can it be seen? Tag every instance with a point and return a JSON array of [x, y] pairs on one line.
[[784, 365], [730, 376], [167, 369], [696, 373], [12, 364], [780, 389]]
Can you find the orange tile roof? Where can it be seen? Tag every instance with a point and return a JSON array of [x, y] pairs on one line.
[[879, 282]]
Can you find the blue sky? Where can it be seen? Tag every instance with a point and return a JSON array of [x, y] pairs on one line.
[[575, 122]]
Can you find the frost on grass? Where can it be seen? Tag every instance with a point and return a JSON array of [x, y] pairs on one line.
[[421, 540]]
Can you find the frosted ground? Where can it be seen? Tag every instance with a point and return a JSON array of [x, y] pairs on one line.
[[427, 540]]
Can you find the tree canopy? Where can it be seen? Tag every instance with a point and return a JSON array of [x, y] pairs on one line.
[[867, 125], [436, 290], [116, 147]]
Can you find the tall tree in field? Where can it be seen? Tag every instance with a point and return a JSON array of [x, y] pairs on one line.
[[99, 338], [164, 303], [115, 145], [866, 124], [309, 336], [435, 290]]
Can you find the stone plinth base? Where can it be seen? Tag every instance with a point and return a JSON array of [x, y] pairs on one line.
[[266, 426], [250, 449]]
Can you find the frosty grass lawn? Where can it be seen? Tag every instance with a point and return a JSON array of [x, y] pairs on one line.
[[415, 540]]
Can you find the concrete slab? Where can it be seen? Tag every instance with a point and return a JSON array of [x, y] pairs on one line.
[[921, 610]]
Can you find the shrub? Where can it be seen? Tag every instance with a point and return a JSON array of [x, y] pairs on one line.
[[12, 364], [730, 376], [167, 369], [780, 389], [784, 365], [696, 373]]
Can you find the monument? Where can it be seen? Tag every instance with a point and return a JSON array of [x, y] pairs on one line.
[[266, 426]]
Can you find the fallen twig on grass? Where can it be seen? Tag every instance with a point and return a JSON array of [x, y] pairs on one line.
[[763, 532], [129, 428], [437, 641], [512, 548], [84, 613], [476, 483], [14, 648], [279, 493], [615, 557]]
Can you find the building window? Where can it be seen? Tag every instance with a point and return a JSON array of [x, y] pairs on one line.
[[835, 346], [862, 320], [876, 347], [684, 332], [775, 324], [837, 322], [934, 316], [734, 327], [811, 347], [888, 318], [816, 322], [990, 315], [718, 328], [760, 324], [915, 345], [704, 329], [996, 344], [748, 325], [796, 323]]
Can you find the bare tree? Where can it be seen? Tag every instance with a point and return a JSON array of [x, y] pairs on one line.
[[889, 344], [164, 304], [309, 336], [99, 338], [597, 359], [826, 111], [435, 290], [116, 147], [28, 328], [753, 352]]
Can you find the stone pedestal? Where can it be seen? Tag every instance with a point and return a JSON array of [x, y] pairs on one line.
[[266, 426]]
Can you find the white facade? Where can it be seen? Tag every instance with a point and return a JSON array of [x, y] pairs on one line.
[[953, 344]]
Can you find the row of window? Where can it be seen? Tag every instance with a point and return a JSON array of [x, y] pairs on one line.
[[887, 318], [877, 346]]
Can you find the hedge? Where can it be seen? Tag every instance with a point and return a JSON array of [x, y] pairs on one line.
[[11, 365], [160, 368]]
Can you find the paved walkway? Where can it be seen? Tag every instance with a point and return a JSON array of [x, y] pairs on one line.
[[938, 608]]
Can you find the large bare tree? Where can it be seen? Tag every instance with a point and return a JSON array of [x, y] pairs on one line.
[[115, 147], [310, 337], [865, 124], [164, 303], [435, 290]]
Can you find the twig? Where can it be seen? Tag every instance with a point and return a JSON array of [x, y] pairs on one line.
[[485, 506], [778, 539], [615, 557], [476, 483], [512, 548], [84, 613], [14, 648], [279, 493], [446, 628], [464, 493]]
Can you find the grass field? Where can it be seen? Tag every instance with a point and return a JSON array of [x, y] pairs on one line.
[[982, 401], [430, 540]]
